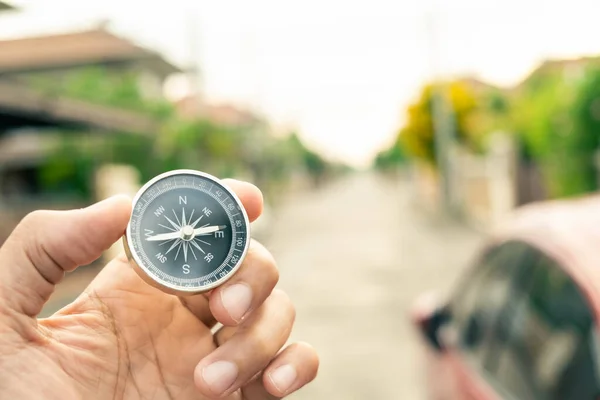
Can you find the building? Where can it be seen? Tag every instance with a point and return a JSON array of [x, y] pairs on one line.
[[5, 6], [34, 104], [52, 60]]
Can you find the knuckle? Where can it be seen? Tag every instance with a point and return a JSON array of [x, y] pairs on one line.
[[266, 262], [34, 218], [262, 343], [284, 301], [271, 267]]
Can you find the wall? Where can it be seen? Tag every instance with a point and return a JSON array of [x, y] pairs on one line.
[[486, 185]]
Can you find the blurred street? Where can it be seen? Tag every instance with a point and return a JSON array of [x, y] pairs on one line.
[[353, 256]]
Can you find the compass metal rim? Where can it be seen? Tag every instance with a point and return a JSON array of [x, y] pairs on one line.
[[167, 287]]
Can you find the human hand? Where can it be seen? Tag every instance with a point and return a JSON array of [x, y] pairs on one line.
[[123, 339]]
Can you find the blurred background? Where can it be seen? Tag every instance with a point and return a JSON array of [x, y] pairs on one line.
[[388, 138]]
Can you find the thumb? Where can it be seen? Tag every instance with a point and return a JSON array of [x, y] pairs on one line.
[[47, 243]]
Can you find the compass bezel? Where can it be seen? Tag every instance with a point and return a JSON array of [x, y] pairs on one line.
[[168, 287]]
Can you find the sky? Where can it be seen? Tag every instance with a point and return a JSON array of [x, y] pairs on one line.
[[340, 72]]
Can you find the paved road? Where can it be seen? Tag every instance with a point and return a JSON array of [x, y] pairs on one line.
[[353, 256]]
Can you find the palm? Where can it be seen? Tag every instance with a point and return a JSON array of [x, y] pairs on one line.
[[146, 343]]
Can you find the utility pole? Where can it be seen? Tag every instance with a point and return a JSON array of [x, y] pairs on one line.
[[442, 118], [194, 70]]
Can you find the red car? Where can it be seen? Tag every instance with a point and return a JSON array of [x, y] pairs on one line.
[[523, 321]]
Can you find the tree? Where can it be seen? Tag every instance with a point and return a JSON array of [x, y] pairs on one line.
[[553, 119], [472, 120], [390, 157]]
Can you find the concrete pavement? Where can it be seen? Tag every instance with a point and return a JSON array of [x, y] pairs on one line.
[[353, 256]]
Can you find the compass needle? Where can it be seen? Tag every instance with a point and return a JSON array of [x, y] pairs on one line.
[[163, 236], [205, 230], [207, 226]]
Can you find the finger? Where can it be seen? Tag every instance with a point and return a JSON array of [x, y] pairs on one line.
[[293, 368], [252, 200], [48, 243], [250, 196], [250, 349], [232, 302]]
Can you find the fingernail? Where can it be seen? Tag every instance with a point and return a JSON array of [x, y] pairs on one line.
[[283, 378], [220, 375], [236, 300]]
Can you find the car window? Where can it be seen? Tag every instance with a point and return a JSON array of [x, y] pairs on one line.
[[548, 349], [483, 295]]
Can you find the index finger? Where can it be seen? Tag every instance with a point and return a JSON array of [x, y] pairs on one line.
[[250, 196]]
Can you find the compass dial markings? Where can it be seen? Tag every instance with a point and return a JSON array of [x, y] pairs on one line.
[[191, 215], [177, 254], [196, 245], [185, 248], [177, 219], [196, 222], [177, 227], [194, 254], [176, 243], [167, 227], [186, 230]]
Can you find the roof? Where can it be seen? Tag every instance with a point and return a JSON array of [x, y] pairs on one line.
[[26, 147], [558, 65], [5, 6], [568, 231], [96, 46], [23, 106], [226, 114]]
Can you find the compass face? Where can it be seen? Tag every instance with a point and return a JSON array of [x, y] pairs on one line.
[[188, 233]]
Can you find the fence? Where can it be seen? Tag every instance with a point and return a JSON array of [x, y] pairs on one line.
[[484, 187]]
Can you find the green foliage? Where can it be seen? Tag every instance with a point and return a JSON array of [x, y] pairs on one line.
[[67, 171], [553, 119], [391, 157], [554, 116], [583, 143], [248, 151], [472, 112], [103, 85]]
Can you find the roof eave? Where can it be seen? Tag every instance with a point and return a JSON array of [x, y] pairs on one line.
[[6, 7], [68, 112]]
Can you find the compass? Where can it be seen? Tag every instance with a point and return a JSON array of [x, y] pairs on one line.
[[188, 232]]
